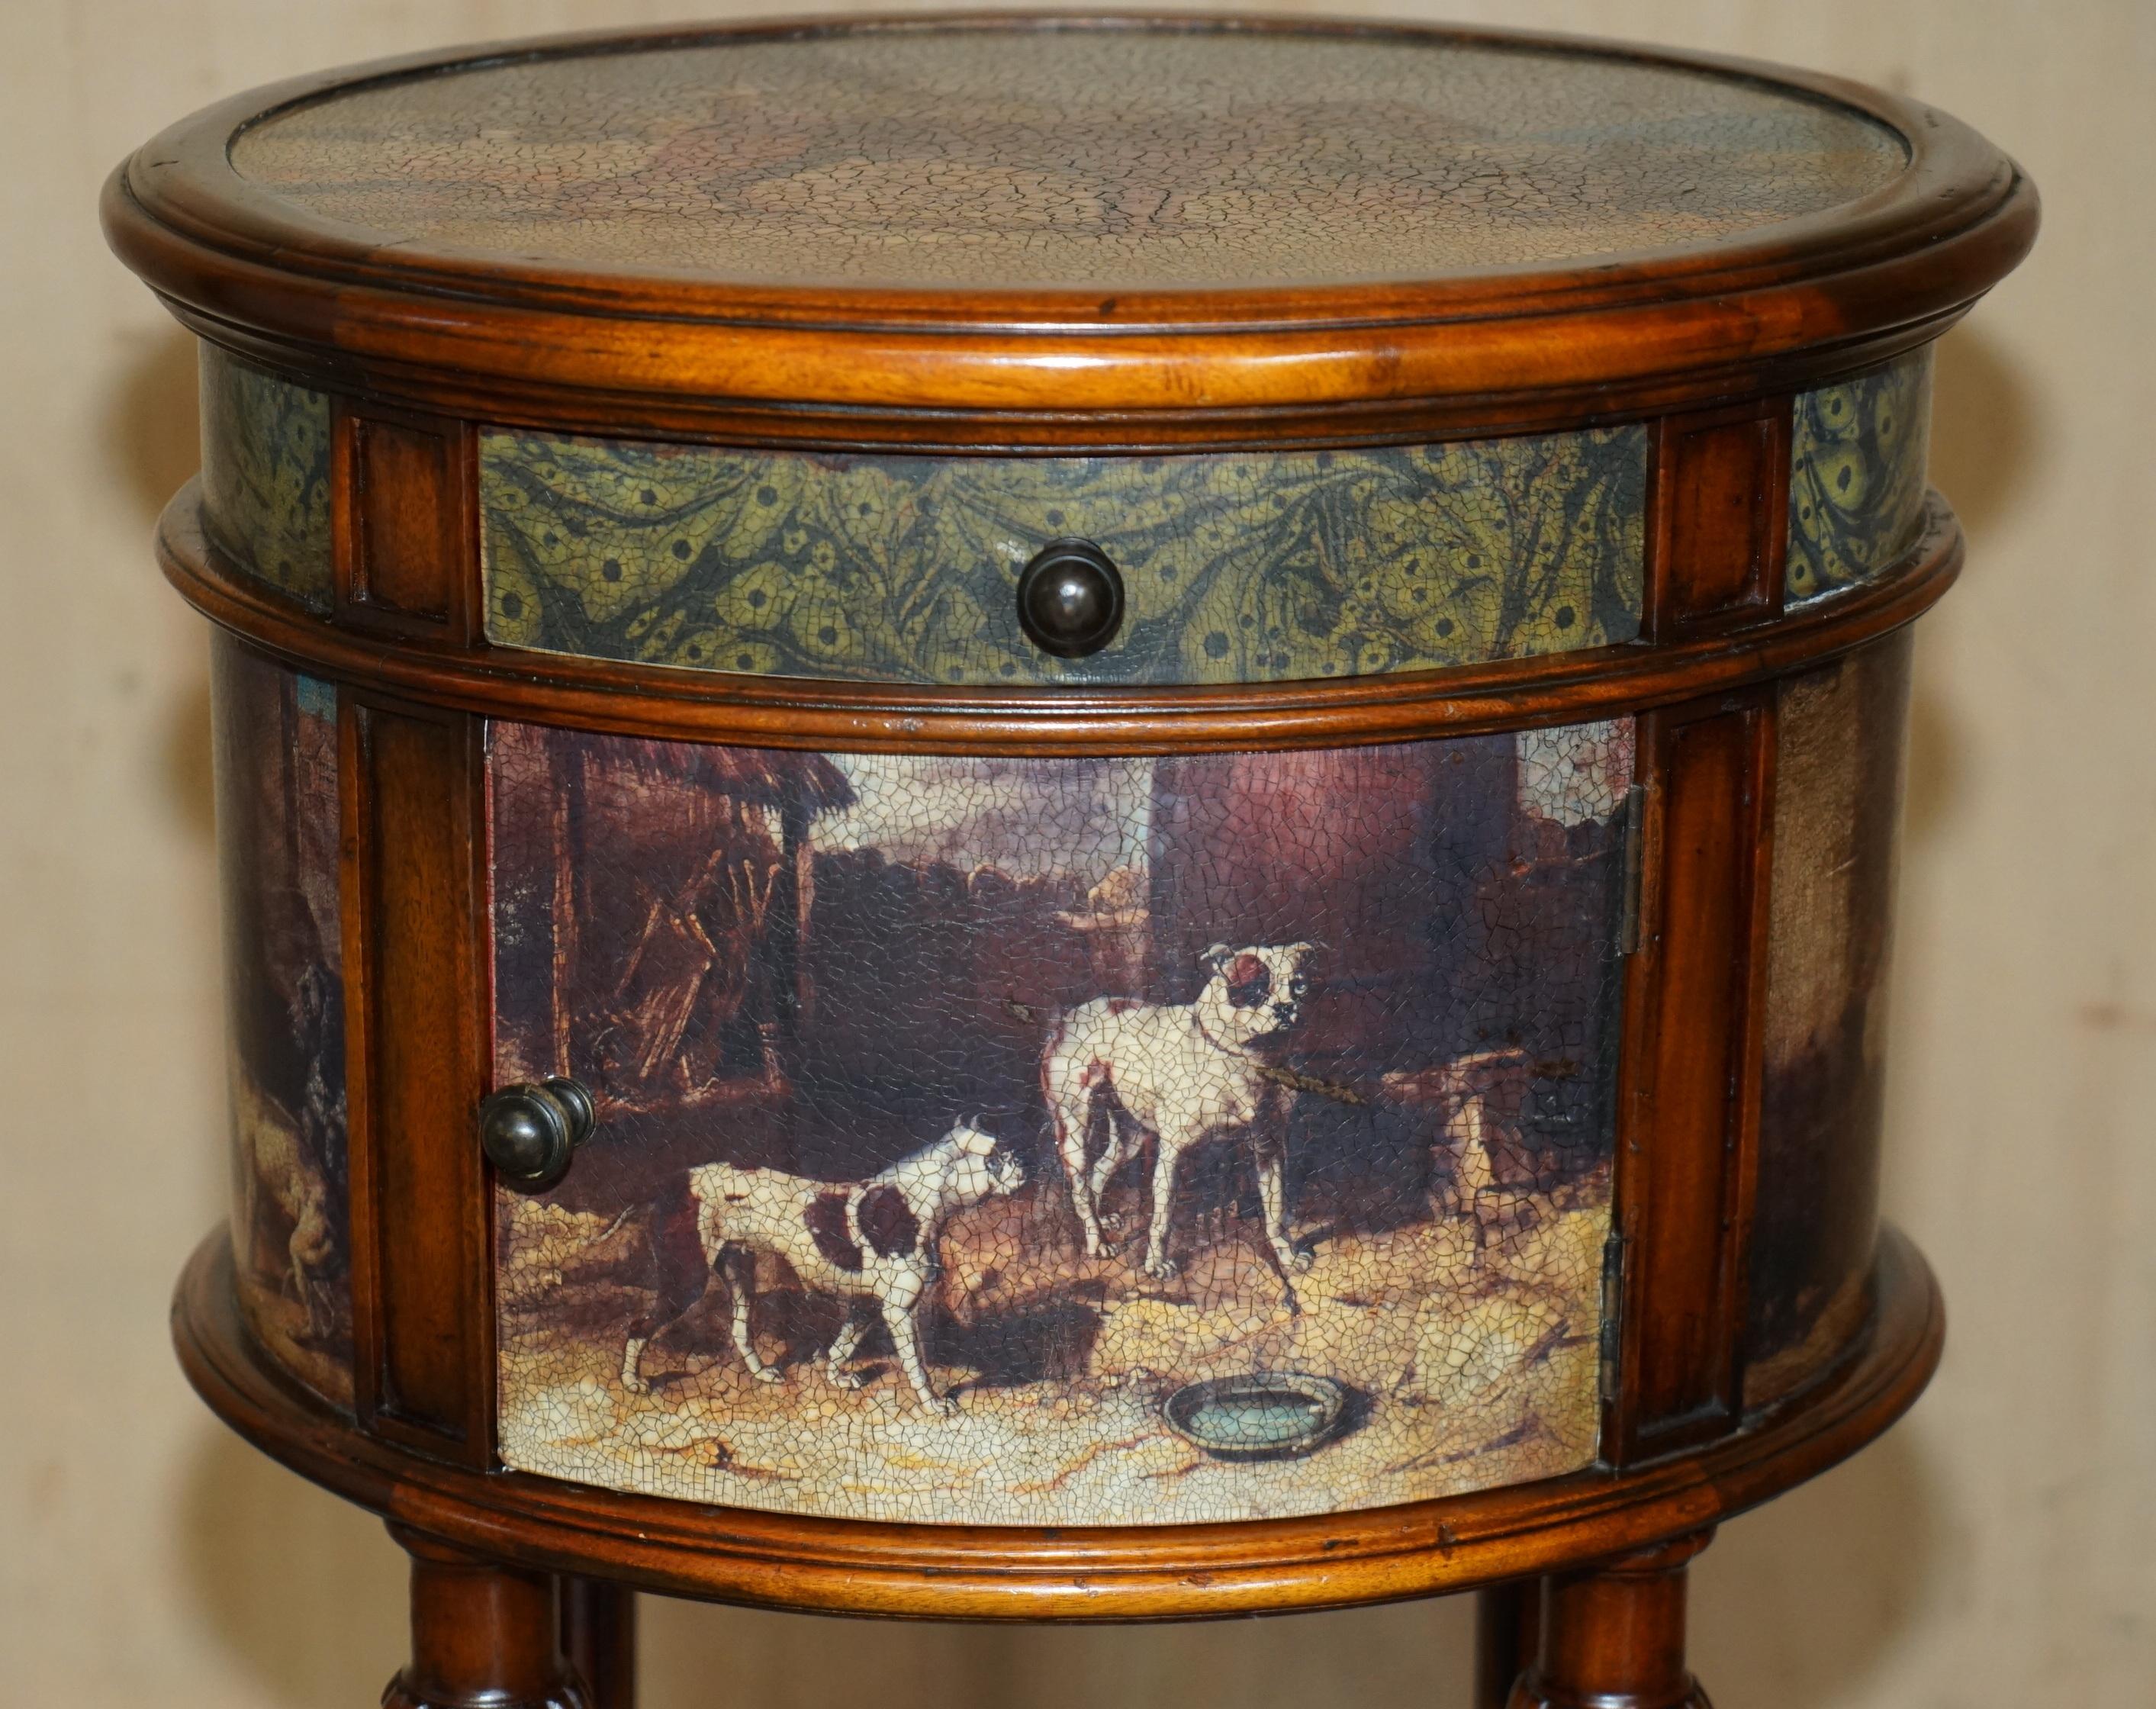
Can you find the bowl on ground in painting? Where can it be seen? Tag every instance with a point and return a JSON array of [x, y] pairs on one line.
[[1263, 1416]]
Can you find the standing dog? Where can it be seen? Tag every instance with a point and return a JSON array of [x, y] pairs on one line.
[[872, 1240], [1179, 1074]]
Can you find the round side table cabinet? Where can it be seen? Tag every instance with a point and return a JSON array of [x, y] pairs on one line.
[[1059, 818]]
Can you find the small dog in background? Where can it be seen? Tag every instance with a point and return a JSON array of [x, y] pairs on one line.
[[1179, 1074], [872, 1242], [1480, 1101]]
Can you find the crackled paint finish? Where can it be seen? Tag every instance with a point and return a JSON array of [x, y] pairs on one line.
[[1101, 160], [1856, 477], [1237, 567], [879, 1042], [265, 480], [1838, 783], [276, 745]]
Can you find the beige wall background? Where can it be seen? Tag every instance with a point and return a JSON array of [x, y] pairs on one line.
[[1999, 1548]]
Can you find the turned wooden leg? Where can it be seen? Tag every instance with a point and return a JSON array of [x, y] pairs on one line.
[[598, 1635], [485, 1635], [1613, 1635], [1505, 1617]]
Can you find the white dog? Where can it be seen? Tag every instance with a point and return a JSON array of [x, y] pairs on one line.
[[872, 1240], [1179, 1074]]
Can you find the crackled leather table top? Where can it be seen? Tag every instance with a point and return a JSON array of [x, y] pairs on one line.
[[1014, 157]]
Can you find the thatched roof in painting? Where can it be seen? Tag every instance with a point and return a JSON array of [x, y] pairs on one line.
[[769, 777]]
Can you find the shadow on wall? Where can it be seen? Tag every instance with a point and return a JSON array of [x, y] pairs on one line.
[[1983, 426], [1415, 1653], [1794, 1606], [1805, 1602], [1802, 1602], [153, 432], [306, 1591], [308, 1594], [153, 423]]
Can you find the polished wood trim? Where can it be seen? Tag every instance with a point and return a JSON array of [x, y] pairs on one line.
[[598, 1635], [1612, 1635], [485, 1635], [1507, 1618], [967, 1572], [693, 706], [1050, 429], [565, 346], [1688, 1081], [404, 524], [413, 922], [186, 174], [1718, 509]]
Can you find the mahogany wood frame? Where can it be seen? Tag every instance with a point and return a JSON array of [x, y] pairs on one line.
[[599, 349], [1129, 1573], [522, 1584], [550, 1564], [416, 958], [1702, 682], [484, 1635], [855, 717]]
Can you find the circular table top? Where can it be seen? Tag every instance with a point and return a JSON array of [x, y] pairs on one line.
[[1028, 217], [1092, 160]]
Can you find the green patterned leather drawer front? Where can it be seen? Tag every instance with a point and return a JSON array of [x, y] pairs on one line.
[[1238, 567], [1241, 566], [266, 475], [1857, 476]]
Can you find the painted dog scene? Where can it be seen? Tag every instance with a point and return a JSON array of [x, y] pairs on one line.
[[275, 746], [1060, 1141]]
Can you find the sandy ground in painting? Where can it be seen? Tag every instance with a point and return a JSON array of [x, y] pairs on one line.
[[1482, 1374]]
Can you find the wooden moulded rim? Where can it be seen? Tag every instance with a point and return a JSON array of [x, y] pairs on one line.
[[674, 703], [1071, 1573], [1493, 349]]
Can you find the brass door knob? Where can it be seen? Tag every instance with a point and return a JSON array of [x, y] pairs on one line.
[[530, 1132], [1070, 599]]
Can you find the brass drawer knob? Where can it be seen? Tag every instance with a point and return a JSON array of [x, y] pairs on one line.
[[530, 1132], [1070, 599]]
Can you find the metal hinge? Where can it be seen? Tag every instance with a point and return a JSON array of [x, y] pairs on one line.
[[1632, 877], [1612, 1313]]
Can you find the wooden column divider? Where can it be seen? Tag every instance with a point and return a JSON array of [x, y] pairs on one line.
[[1687, 1081], [414, 843]]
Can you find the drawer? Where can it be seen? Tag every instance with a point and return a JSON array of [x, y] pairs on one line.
[[1236, 567]]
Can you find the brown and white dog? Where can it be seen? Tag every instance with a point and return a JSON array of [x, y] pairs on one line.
[[1179, 1074], [869, 1241]]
